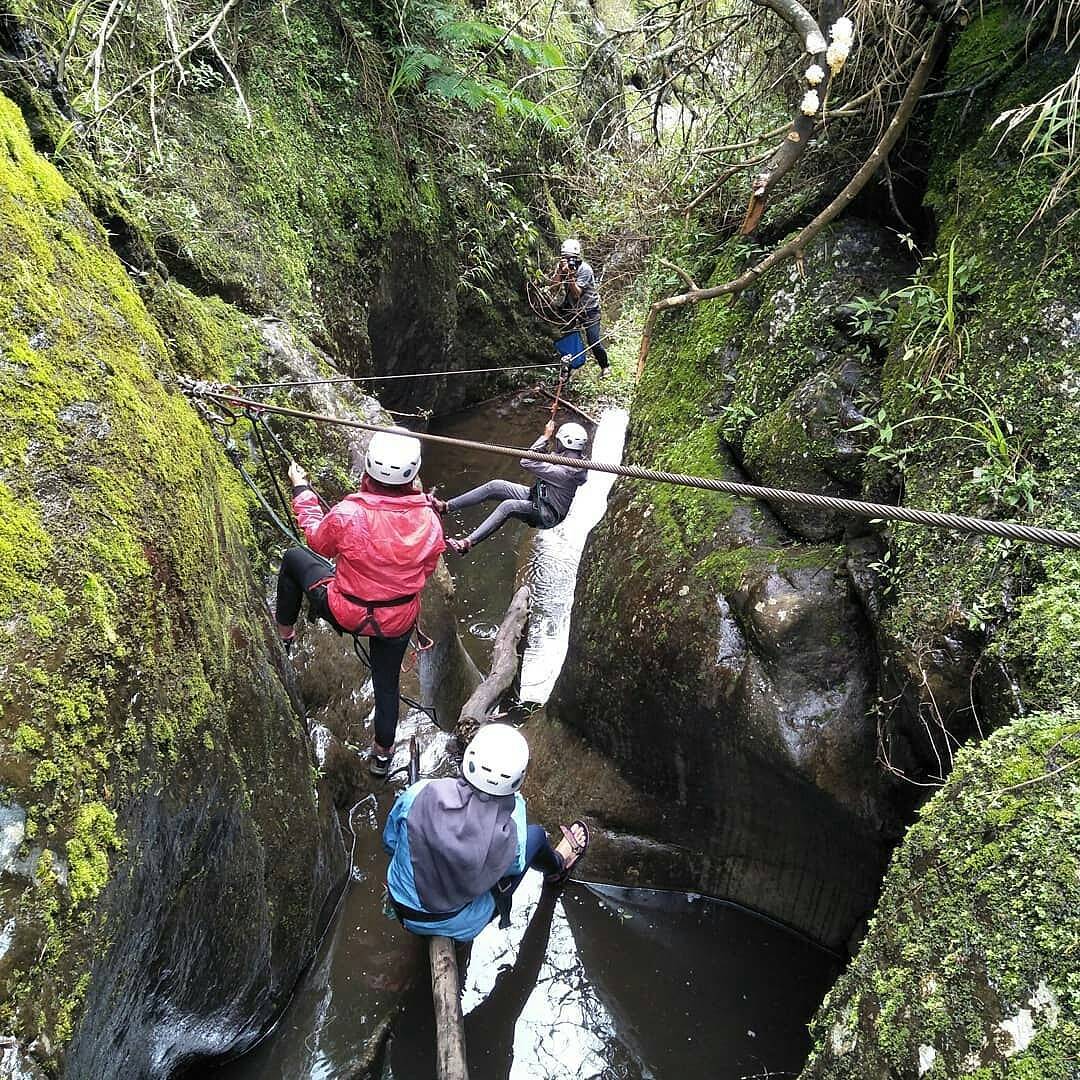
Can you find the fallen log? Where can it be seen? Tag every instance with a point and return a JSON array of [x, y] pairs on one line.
[[504, 665], [449, 1023], [450, 1063], [568, 405]]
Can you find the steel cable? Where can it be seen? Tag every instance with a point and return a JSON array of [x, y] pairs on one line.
[[1008, 530], [344, 380]]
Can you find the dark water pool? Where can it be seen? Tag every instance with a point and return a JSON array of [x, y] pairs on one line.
[[634, 984]]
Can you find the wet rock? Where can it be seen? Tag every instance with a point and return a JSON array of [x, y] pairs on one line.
[[808, 444], [729, 670], [12, 831], [185, 850], [15, 1064]]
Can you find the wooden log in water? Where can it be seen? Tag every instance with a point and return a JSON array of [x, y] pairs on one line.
[[504, 665], [569, 405], [449, 1023]]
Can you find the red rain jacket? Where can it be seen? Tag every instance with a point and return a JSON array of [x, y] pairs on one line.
[[385, 546]]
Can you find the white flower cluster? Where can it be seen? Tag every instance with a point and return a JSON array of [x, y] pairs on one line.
[[810, 102], [843, 36], [814, 74]]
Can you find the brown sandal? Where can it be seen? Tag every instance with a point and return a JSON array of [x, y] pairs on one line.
[[577, 850]]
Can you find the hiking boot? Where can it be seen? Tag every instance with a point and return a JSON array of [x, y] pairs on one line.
[[379, 760], [458, 547], [438, 505]]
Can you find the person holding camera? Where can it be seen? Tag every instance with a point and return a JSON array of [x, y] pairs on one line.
[[580, 303]]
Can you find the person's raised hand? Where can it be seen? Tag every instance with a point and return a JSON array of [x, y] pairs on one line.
[[297, 475], [549, 431]]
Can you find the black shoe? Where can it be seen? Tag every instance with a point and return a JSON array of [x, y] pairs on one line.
[[458, 547], [378, 764]]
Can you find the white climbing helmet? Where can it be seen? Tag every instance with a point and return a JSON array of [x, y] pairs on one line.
[[572, 436], [392, 458], [572, 248], [495, 759]]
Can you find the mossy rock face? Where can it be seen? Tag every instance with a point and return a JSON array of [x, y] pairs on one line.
[[145, 735], [366, 223], [725, 663], [969, 969], [999, 616]]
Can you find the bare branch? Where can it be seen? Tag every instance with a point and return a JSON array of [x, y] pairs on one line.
[[687, 279], [206, 36]]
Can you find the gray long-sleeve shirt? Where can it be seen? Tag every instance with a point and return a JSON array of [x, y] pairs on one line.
[[560, 481]]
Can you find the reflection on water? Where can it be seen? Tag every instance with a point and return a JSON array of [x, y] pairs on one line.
[[631, 984], [484, 579], [333, 1023]]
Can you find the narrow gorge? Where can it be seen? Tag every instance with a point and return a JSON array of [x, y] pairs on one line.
[[829, 761]]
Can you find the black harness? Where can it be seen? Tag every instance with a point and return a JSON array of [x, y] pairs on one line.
[[500, 893]]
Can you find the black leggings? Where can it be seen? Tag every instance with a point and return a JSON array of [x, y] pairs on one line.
[[592, 339], [300, 570]]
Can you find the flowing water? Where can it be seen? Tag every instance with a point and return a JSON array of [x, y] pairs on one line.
[[599, 982]]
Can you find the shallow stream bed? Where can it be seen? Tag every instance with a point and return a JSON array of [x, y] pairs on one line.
[[600, 982]]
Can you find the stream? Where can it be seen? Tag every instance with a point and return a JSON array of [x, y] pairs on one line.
[[598, 982]]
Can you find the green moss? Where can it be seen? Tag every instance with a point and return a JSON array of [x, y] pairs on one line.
[[88, 850], [125, 594], [1043, 641], [977, 918], [1021, 283], [208, 338]]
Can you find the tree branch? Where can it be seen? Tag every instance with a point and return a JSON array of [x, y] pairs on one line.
[[206, 36], [688, 281], [877, 157], [802, 126]]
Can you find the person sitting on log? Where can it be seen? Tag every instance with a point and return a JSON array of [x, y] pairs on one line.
[[542, 506], [459, 847], [386, 541]]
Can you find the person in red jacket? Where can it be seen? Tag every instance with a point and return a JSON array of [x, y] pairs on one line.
[[385, 540]]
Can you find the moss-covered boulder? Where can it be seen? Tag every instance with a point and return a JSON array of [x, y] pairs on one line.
[[970, 966], [171, 855]]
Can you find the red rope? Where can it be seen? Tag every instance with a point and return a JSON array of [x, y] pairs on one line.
[[558, 394]]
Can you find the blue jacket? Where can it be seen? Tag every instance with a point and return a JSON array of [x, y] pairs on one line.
[[468, 922]]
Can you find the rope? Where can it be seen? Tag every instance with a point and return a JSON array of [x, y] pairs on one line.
[[558, 394], [257, 418], [1008, 530], [428, 710], [342, 380], [256, 428]]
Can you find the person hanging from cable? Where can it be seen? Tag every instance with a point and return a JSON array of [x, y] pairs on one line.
[[460, 846], [541, 506], [385, 540], [580, 303]]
